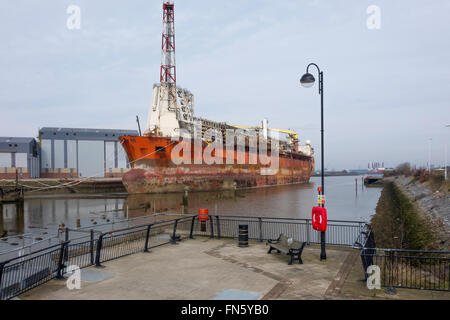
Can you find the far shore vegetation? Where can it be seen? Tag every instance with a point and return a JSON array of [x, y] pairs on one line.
[[435, 179]]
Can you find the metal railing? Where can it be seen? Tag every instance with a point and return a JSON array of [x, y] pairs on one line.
[[413, 269], [20, 245], [119, 243], [400, 268], [20, 274], [28, 271], [339, 232]]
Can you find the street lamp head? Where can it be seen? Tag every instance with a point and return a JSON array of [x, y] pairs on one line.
[[307, 80]]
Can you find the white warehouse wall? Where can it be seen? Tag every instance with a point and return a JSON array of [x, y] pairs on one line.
[[5, 159], [122, 157], [72, 154], [88, 157], [21, 160], [46, 154], [91, 158], [110, 154], [59, 153]]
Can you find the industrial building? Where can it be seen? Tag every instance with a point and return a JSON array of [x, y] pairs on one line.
[[75, 152], [21, 155]]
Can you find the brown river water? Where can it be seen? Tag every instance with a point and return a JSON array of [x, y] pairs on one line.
[[42, 216]]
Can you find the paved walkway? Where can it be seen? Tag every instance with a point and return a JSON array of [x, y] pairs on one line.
[[202, 269]]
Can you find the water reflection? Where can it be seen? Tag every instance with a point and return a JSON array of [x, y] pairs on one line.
[[49, 213], [294, 201]]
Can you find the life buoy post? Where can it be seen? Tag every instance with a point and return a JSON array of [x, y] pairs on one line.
[[203, 217], [319, 218]]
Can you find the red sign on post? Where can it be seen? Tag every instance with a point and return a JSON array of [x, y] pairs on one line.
[[319, 218]]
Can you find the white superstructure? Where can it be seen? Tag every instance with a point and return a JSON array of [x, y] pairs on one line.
[[171, 109]]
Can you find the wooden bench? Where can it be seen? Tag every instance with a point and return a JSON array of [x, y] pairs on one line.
[[293, 249]]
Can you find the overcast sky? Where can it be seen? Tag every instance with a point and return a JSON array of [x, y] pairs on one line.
[[386, 93]]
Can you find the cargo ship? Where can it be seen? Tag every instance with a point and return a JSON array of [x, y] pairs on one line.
[[179, 152]]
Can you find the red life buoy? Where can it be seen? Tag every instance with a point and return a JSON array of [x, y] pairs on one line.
[[203, 215], [319, 218]]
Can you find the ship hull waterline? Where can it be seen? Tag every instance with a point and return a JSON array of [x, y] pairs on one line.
[[154, 171]]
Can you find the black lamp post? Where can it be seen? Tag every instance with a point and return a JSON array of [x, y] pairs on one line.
[[307, 81]]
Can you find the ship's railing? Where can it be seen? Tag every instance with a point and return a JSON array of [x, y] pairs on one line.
[[339, 232]]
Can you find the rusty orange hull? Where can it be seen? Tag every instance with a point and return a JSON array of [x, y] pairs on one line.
[[155, 170]]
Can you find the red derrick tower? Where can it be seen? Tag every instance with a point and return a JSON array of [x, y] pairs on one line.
[[168, 72]]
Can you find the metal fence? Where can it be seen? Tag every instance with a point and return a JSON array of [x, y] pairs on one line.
[[119, 243], [20, 245], [24, 273], [399, 268], [20, 274], [413, 269], [339, 233]]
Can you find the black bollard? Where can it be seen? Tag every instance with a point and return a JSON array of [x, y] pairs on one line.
[[243, 235]]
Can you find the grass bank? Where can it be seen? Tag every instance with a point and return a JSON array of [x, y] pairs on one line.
[[398, 223]]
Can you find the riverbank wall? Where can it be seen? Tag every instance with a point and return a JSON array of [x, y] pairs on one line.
[[411, 215], [41, 186]]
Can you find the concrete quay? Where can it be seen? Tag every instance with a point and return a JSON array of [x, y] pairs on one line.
[[203, 268]]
